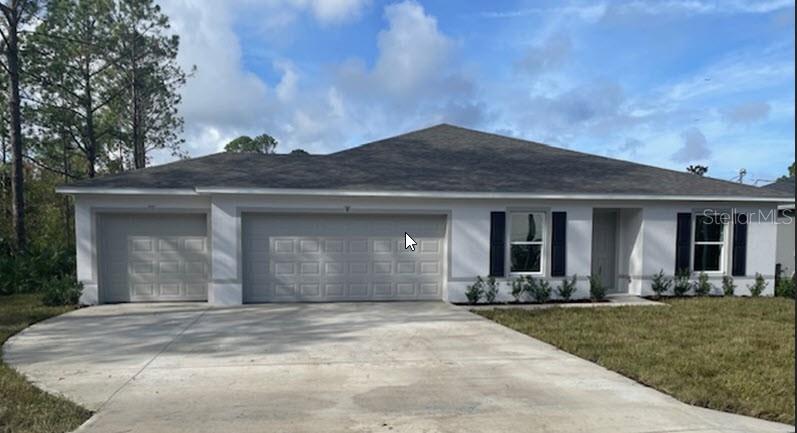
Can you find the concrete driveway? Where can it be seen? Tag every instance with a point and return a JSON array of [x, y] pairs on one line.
[[364, 367]]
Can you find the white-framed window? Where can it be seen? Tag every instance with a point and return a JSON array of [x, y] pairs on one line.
[[709, 241], [527, 233]]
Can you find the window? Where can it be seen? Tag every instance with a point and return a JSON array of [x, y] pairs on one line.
[[709, 243], [526, 237]]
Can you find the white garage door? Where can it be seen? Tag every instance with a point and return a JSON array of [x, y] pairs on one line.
[[342, 257], [148, 257]]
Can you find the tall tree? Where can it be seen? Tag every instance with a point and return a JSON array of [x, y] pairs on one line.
[[150, 78], [263, 143], [15, 13], [75, 75], [790, 175], [699, 170]]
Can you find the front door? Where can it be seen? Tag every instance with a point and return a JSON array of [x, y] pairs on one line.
[[604, 232]]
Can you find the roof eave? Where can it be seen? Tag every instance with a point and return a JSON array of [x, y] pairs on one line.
[[414, 194], [75, 190]]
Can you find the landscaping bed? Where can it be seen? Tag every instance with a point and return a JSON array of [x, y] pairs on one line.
[[730, 354], [23, 407]]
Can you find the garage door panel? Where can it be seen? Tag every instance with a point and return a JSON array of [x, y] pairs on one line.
[[141, 244], [333, 246], [149, 257], [341, 257]]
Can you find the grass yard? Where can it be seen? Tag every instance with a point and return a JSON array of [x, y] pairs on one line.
[[730, 354], [23, 407]]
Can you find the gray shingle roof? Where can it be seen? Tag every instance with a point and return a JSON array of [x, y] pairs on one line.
[[440, 158], [784, 186]]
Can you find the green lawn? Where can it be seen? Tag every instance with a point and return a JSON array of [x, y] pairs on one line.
[[23, 407], [730, 354]]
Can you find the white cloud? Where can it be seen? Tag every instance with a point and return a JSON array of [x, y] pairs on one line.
[[334, 11], [695, 7], [748, 112], [411, 50], [546, 56], [695, 147], [589, 13], [284, 12], [631, 146], [286, 88]]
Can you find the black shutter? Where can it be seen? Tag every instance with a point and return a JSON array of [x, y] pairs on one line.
[[497, 243], [558, 244], [738, 267], [683, 241]]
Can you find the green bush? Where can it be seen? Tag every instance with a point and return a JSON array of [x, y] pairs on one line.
[[597, 291], [784, 286], [568, 287], [31, 271], [62, 291], [523, 286], [728, 288], [541, 292], [660, 284], [682, 284], [758, 287], [703, 287], [517, 288], [491, 290], [475, 291]]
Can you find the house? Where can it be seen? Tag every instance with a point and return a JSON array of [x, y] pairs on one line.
[[238, 228], [785, 244]]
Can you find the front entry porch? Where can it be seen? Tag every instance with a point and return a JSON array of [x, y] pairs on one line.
[[616, 247]]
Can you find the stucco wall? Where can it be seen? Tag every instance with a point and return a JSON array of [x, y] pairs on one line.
[[785, 250], [649, 236]]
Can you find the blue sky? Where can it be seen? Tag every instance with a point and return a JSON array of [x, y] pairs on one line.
[[668, 83]]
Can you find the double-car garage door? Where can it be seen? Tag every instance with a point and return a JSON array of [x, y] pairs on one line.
[[285, 257], [351, 257]]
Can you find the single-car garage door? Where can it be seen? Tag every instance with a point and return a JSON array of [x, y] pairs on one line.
[[153, 257], [351, 257]]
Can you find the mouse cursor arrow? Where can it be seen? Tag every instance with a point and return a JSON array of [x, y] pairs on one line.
[[409, 242]]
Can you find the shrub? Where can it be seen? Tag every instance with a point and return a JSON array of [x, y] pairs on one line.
[[597, 291], [541, 291], [491, 290], [31, 271], [758, 287], [785, 287], [566, 290], [518, 288], [62, 291], [728, 288], [681, 283], [703, 287], [522, 286], [660, 284], [475, 291]]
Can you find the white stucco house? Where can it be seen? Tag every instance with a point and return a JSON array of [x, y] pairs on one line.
[[240, 228], [784, 256]]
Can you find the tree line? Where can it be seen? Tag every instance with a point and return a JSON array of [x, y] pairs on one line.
[[89, 87]]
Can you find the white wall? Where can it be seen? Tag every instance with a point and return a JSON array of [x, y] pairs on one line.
[[86, 209], [659, 228], [648, 230], [785, 250]]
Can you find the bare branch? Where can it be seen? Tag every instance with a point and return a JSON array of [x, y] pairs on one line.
[[48, 168]]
